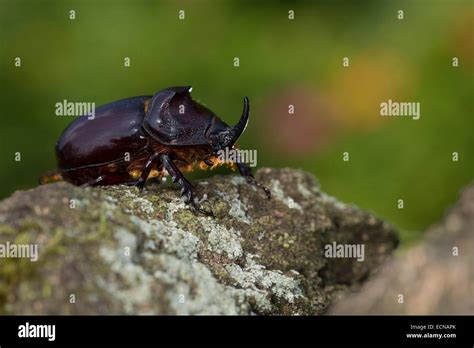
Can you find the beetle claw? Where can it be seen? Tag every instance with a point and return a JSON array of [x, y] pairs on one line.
[[189, 199], [140, 184], [197, 209], [189, 196], [137, 183], [267, 191]]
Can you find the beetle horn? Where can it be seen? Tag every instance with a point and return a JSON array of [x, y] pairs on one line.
[[239, 128]]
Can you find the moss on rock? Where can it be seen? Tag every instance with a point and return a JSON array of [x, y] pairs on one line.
[[116, 250]]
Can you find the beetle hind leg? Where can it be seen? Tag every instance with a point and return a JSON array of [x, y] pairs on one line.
[[106, 180], [246, 172], [94, 182]]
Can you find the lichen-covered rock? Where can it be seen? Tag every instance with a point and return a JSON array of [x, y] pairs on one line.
[[115, 250]]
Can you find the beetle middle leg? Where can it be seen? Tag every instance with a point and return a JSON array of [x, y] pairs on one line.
[[246, 172], [140, 183], [186, 186], [177, 176]]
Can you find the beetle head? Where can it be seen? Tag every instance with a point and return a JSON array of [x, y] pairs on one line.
[[174, 118], [222, 136]]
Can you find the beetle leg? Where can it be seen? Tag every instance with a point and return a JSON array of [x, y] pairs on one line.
[[246, 172], [186, 186], [108, 179], [177, 176], [94, 182], [140, 183]]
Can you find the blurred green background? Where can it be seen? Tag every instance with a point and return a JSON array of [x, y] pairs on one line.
[[282, 62]]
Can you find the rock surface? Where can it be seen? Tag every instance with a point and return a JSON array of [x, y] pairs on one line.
[[115, 250], [435, 277]]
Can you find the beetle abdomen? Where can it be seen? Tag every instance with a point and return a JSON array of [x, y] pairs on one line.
[[109, 137]]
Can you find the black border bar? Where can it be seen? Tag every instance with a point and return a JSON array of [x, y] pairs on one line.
[[152, 330]]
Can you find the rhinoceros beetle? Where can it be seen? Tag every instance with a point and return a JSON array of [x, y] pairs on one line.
[[168, 130]]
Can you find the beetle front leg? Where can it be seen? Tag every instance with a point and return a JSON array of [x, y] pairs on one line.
[[246, 172]]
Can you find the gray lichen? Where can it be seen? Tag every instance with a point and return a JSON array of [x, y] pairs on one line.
[[124, 251]]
